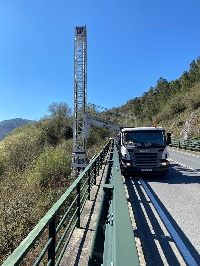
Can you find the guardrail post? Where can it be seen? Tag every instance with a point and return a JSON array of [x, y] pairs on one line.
[[89, 183], [95, 172], [78, 204], [98, 164], [52, 235], [102, 156]]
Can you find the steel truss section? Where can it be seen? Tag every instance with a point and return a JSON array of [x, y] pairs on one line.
[[80, 105]]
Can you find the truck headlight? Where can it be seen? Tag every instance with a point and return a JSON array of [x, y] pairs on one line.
[[128, 164], [165, 163]]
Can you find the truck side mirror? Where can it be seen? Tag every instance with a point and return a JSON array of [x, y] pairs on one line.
[[169, 139]]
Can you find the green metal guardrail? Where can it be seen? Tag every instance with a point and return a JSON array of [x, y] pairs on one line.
[[97, 247], [193, 145], [60, 221], [119, 243]]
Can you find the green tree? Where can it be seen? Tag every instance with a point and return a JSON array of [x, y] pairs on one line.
[[162, 90], [185, 81], [175, 87], [57, 126], [198, 70], [97, 136], [193, 72], [136, 105], [60, 110]]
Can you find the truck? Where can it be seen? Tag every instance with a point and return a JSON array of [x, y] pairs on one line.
[[143, 151]]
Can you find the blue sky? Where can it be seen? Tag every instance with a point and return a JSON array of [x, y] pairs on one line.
[[131, 44]]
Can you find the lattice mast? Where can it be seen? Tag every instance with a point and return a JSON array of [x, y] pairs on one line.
[[80, 105]]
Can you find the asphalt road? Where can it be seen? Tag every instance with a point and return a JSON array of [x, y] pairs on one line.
[[186, 158], [167, 212]]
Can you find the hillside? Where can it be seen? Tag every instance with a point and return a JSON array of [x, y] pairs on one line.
[[7, 126], [173, 104], [35, 170]]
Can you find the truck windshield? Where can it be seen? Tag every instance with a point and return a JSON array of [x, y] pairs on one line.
[[144, 138]]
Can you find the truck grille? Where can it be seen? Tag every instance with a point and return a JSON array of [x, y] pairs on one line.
[[146, 155], [144, 159]]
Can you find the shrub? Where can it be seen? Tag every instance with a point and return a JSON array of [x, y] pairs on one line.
[[2, 167], [194, 99], [16, 211], [55, 130], [97, 136], [53, 167], [57, 126], [165, 114], [178, 104], [21, 148]]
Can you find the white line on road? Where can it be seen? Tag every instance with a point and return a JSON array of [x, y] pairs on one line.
[[185, 252], [194, 155], [195, 170]]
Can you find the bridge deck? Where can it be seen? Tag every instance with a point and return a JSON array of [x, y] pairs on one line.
[[78, 250]]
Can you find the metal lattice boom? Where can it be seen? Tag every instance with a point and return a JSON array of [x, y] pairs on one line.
[[80, 84]]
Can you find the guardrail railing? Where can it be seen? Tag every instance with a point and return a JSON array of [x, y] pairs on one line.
[[54, 230], [189, 144], [115, 228]]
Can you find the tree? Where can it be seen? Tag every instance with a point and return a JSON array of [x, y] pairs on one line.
[[193, 72], [59, 110], [58, 125], [198, 70], [175, 87], [185, 81], [163, 90], [136, 105]]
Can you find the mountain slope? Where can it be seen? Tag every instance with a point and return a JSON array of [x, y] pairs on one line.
[[7, 126]]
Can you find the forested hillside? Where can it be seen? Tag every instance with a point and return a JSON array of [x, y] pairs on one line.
[[7, 126], [174, 104]]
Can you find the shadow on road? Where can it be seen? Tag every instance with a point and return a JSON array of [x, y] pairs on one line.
[[158, 247], [177, 175]]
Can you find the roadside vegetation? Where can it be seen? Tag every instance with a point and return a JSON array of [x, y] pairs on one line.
[[35, 170]]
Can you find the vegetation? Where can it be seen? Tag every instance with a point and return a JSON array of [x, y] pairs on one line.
[[35, 170], [7, 126], [35, 159]]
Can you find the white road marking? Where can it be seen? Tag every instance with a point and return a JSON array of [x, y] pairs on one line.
[[184, 251], [195, 170], [165, 234], [185, 153]]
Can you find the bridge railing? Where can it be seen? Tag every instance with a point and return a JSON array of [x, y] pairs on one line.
[[193, 145], [60, 221], [119, 247]]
